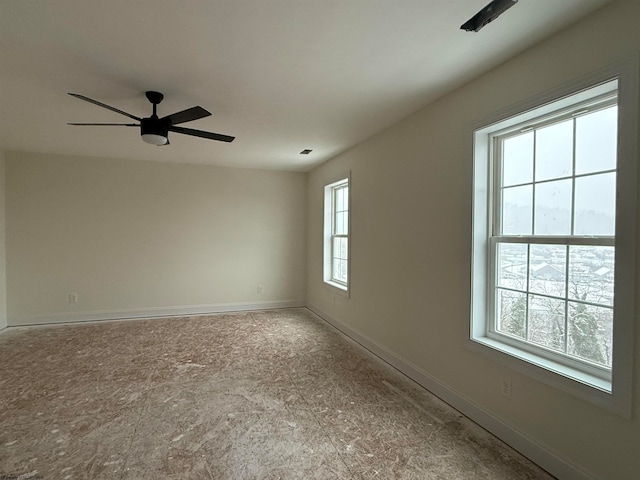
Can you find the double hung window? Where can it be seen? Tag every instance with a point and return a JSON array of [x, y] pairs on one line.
[[336, 242], [553, 235], [546, 285]]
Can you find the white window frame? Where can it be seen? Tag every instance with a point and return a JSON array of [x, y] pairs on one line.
[[329, 276], [613, 391]]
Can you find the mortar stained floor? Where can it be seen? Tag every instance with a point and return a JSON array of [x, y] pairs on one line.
[[273, 394]]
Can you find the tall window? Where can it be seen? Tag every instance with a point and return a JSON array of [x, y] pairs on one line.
[[336, 243], [553, 235], [545, 248]]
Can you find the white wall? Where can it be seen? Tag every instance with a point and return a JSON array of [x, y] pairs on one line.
[[136, 238], [3, 263], [411, 244]]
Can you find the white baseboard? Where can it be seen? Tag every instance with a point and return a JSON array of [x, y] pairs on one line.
[[92, 316], [536, 452]]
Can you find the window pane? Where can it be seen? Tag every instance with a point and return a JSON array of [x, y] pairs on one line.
[[511, 313], [595, 208], [341, 223], [590, 333], [591, 274], [517, 204], [512, 265], [547, 270], [596, 141], [553, 208], [336, 269], [339, 199], [340, 270], [554, 151], [546, 322], [517, 160], [340, 248]]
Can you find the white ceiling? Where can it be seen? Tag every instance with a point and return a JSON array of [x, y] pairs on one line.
[[280, 75]]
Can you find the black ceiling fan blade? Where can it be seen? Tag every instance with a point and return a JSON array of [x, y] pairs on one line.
[[188, 115], [200, 133], [107, 124], [103, 105]]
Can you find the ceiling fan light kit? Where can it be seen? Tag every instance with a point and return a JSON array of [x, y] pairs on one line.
[[155, 139], [155, 130]]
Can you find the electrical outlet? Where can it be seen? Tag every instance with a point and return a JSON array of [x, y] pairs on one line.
[[506, 387], [260, 289], [73, 298]]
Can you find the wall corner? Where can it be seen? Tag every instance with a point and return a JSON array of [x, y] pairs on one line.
[[3, 258]]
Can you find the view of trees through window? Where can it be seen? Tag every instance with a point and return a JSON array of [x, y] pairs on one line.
[[558, 297]]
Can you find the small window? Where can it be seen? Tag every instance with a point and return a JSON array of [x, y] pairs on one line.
[[548, 262], [336, 241]]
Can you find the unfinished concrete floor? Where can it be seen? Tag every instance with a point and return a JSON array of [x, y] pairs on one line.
[[259, 395]]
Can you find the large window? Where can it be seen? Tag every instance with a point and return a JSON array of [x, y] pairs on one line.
[[336, 233], [553, 235], [546, 239]]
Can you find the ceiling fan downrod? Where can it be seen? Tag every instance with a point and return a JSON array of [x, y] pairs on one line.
[[155, 98]]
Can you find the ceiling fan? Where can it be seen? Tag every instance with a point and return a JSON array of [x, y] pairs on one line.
[[156, 130]]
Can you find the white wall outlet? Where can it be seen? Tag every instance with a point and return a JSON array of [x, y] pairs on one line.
[[260, 289], [506, 387], [73, 298]]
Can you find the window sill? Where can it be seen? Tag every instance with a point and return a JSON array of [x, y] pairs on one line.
[[547, 364], [337, 288], [570, 380]]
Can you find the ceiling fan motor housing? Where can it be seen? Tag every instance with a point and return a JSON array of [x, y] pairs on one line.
[[154, 126], [154, 130]]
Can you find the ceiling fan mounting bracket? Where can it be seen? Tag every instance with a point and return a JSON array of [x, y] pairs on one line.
[[154, 97]]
